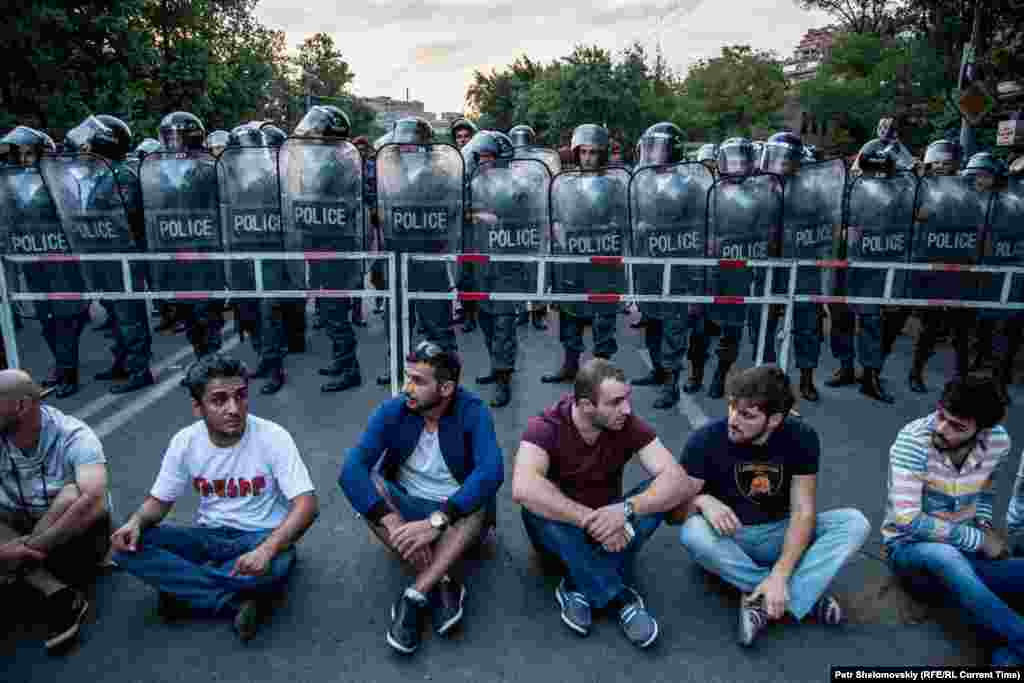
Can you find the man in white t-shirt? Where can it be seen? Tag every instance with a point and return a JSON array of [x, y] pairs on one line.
[[54, 503], [256, 502]]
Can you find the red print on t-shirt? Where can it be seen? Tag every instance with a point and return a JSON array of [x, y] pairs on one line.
[[230, 488]]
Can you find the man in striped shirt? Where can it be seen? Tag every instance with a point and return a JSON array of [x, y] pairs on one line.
[[938, 524]]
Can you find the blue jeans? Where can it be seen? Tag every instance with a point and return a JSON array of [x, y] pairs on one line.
[[596, 573], [410, 507], [746, 559], [194, 565], [976, 584]]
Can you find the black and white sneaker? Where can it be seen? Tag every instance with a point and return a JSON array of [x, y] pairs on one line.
[[576, 612], [639, 627], [406, 623], [448, 598], [753, 619], [66, 608]]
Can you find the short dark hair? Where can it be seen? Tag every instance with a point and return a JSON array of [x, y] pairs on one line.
[[210, 367], [446, 364], [590, 377], [975, 397], [766, 386]]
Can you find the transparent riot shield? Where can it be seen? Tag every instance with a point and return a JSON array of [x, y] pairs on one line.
[[812, 221], [668, 207], [949, 225], [546, 155], [508, 215], [179, 198], [250, 209], [590, 217], [31, 227], [322, 208], [1004, 242], [744, 222], [91, 197], [880, 222]]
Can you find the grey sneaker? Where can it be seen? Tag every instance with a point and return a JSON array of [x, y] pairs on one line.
[[828, 611], [639, 627], [753, 619], [575, 609]]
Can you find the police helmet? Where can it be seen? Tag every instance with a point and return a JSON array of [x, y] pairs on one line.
[[150, 146], [92, 135], [181, 131], [246, 135], [781, 152], [662, 143], [522, 136], [736, 157], [876, 156], [23, 136], [413, 130], [218, 140], [592, 135], [506, 150], [984, 162], [275, 137], [322, 122], [707, 153], [122, 132]]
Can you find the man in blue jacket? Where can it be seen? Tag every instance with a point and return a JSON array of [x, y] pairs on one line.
[[440, 468]]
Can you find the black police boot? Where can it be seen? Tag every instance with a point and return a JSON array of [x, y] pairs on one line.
[[807, 388], [347, 380], [656, 376], [916, 378], [567, 373], [276, 381], [669, 394], [842, 377], [137, 381], [717, 387], [115, 373], [502, 389], [262, 370], [332, 370], [67, 384], [538, 315], [871, 386], [487, 379]]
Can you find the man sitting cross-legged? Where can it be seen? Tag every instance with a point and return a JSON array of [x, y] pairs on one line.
[[439, 470], [256, 502]]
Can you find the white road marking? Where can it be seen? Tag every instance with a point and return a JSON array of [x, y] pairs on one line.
[[148, 397], [100, 404], [688, 408]]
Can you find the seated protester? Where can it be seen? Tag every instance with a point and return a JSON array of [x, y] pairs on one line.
[[440, 468], [938, 523], [753, 522], [256, 501], [54, 504], [568, 478]]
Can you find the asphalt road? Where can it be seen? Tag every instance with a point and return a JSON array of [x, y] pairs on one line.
[[332, 625]]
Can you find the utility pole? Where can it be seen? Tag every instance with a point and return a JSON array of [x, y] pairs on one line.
[[968, 71]]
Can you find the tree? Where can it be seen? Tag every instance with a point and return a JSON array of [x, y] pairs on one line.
[[860, 16], [322, 68]]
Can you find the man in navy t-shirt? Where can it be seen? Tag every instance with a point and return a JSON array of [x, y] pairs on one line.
[[753, 522]]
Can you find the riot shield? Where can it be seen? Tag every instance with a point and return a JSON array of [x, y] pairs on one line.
[[949, 226], [668, 207], [589, 217], [179, 197], [744, 216], [91, 203], [322, 208], [880, 225], [1004, 242], [545, 154], [31, 227], [250, 209], [812, 221], [509, 214], [420, 204]]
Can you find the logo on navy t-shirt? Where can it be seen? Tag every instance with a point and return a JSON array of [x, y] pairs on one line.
[[758, 481]]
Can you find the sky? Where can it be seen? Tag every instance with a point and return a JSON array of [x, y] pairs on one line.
[[432, 47]]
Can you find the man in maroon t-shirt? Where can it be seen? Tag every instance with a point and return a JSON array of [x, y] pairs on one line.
[[568, 478]]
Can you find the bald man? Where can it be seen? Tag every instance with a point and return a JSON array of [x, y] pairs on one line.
[[54, 504]]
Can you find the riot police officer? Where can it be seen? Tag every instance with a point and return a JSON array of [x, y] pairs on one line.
[[522, 135], [462, 131], [217, 140]]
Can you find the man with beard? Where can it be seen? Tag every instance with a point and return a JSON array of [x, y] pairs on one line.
[[753, 522], [938, 526], [568, 478], [256, 502], [433, 496], [54, 505]]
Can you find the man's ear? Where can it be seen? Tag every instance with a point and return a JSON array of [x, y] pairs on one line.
[[197, 408], [448, 388], [775, 420]]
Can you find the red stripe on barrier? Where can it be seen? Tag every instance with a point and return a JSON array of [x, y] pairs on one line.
[[474, 296], [192, 295], [944, 302], [59, 258], [833, 263], [318, 255], [828, 299], [604, 298], [949, 267], [731, 263], [473, 258], [730, 299], [64, 296], [190, 256], [606, 260]]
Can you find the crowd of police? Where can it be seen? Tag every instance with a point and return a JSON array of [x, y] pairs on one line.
[[257, 189]]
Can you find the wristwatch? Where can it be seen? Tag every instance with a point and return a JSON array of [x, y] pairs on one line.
[[627, 507], [438, 520]]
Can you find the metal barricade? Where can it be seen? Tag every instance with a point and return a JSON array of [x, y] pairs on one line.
[[7, 297]]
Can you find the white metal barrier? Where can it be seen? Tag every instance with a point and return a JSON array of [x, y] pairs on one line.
[[7, 297]]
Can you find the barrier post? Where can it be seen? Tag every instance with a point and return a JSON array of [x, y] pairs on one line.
[[7, 322], [787, 327]]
